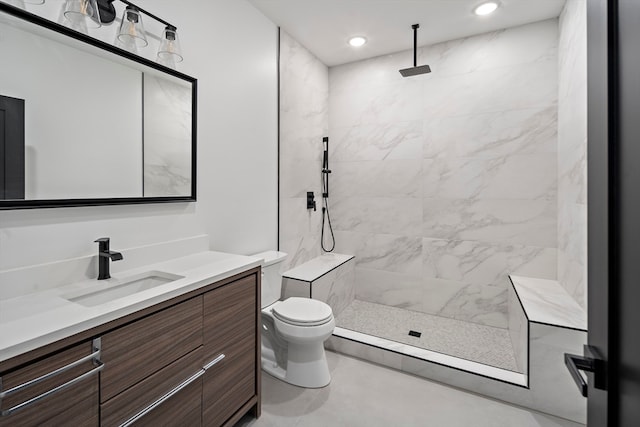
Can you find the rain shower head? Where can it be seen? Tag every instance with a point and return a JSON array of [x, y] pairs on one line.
[[415, 70]]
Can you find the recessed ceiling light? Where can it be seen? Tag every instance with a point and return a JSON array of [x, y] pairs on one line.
[[357, 41], [486, 8]]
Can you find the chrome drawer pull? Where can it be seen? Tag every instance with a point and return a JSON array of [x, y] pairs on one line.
[[94, 355], [53, 390], [163, 399], [171, 393], [214, 361]]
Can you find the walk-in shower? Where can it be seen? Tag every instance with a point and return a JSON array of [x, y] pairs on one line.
[[443, 184]]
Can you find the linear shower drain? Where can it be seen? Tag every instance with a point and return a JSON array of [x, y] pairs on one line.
[[415, 333]]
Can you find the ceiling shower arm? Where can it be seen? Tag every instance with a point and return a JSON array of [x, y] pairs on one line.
[[415, 70], [415, 44]]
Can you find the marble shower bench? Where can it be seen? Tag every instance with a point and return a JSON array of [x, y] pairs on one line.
[[544, 323], [329, 278]]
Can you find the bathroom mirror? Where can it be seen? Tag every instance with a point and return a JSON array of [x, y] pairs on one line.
[[86, 123]]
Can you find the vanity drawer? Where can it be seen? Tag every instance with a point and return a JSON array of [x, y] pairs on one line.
[[135, 351], [75, 404], [181, 379], [230, 383], [230, 316]]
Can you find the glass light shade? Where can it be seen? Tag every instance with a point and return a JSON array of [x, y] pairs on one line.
[[131, 28], [82, 13], [170, 49]]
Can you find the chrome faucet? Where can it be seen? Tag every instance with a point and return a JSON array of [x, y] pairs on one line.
[[104, 255]]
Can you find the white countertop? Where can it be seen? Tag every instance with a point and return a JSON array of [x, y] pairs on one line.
[[317, 267], [34, 320], [546, 301]]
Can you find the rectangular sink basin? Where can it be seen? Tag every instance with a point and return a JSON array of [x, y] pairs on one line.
[[119, 288]]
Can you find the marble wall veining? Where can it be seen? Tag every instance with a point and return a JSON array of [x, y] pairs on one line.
[[443, 183], [572, 151], [167, 137], [304, 93]]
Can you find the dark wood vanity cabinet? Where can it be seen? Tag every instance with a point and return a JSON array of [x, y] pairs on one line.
[[147, 359], [135, 351], [145, 401], [31, 401], [190, 361], [230, 330]]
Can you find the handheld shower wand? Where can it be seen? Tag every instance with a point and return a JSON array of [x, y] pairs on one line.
[[325, 167], [325, 195]]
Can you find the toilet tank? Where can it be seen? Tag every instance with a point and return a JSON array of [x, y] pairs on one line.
[[271, 276]]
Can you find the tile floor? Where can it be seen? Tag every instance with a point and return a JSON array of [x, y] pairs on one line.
[[369, 395], [466, 340]]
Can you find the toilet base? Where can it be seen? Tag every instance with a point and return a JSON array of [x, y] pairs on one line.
[[295, 354], [306, 366]]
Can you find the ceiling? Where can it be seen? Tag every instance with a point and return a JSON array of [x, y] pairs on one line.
[[325, 26]]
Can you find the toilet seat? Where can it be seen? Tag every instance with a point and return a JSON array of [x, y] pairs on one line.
[[302, 312]]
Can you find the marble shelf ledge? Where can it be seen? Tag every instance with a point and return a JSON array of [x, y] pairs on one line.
[[547, 302], [312, 270], [329, 278]]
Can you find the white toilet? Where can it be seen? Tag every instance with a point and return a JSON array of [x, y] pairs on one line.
[[293, 330]]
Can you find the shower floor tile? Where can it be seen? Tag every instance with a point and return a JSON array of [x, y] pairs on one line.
[[466, 340]]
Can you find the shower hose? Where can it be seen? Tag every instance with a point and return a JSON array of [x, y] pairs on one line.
[[325, 213]]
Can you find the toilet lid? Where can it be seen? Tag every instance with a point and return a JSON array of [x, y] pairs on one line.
[[303, 311]]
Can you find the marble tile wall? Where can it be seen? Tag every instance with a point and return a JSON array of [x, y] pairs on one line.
[[572, 151], [336, 288], [304, 95], [518, 331], [443, 183]]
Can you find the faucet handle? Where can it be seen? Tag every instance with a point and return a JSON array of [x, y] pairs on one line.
[[103, 244]]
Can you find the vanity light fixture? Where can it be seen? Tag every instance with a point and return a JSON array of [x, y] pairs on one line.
[[132, 33], [131, 28], [357, 41], [486, 8], [82, 14], [170, 49]]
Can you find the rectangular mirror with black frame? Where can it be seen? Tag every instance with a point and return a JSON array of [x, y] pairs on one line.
[[83, 122]]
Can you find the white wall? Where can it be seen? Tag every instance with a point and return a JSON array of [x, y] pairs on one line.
[[231, 48]]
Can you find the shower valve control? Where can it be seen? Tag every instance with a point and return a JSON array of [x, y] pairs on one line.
[[311, 203]]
